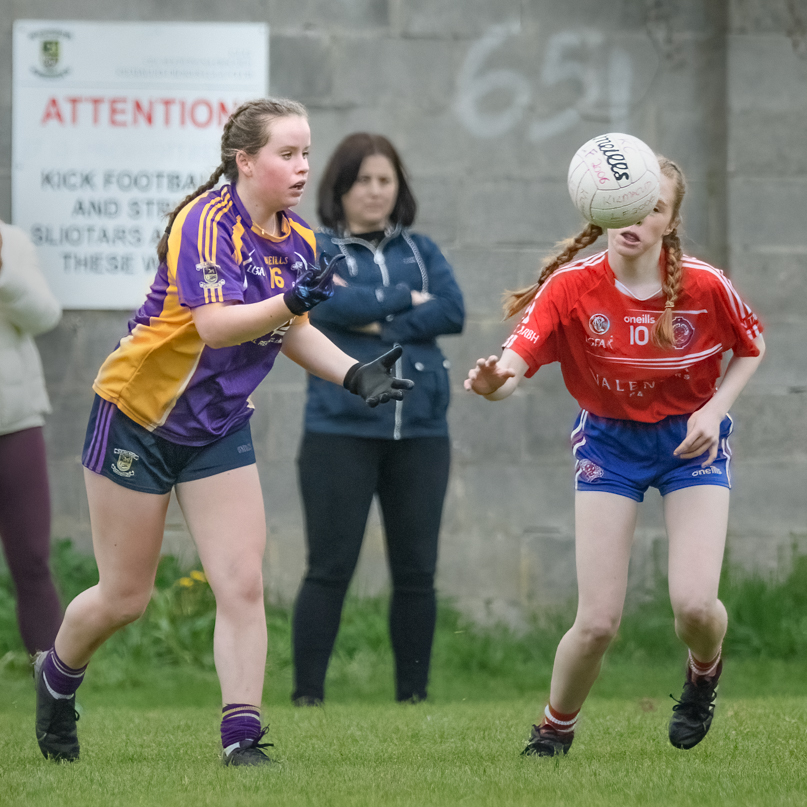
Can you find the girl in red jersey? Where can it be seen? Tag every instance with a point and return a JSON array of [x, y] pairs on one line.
[[639, 331], [238, 275]]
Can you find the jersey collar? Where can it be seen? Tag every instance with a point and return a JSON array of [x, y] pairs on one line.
[[285, 225]]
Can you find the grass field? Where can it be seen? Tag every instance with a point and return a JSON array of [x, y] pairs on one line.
[[150, 711], [138, 750]]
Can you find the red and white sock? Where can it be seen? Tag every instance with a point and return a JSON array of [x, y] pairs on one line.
[[563, 724], [704, 669]]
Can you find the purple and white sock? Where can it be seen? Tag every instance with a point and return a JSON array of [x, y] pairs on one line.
[[239, 722], [62, 681]]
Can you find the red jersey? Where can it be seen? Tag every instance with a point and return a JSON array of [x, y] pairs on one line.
[[601, 337]]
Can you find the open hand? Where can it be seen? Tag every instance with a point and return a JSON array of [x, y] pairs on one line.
[[487, 376], [375, 382]]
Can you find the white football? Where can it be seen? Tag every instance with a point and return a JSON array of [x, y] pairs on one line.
[[614, 180]]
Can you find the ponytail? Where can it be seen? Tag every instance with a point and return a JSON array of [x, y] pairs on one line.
[[517, 301], [248, 130]]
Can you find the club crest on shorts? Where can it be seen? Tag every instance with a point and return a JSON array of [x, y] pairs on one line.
[[683, 331], [123, 466], [588, 471], [599, 324]]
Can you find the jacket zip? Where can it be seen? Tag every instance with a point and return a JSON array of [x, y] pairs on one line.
[[380, 262]]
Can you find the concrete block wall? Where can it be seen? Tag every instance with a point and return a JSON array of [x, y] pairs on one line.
[[486, 102]]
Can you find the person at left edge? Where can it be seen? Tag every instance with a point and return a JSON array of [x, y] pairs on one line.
[[236, 279]]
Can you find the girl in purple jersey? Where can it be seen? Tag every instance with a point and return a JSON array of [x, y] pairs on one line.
[[237, 278]]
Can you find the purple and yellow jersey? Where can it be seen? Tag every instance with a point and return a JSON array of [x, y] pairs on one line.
[[161, 375]]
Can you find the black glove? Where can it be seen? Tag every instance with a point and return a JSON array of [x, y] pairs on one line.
[[314, 284], [374, 381]]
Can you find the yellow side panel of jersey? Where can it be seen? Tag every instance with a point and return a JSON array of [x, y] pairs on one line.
[[153, 365]]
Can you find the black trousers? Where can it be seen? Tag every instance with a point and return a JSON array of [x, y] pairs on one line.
[[339, 475]]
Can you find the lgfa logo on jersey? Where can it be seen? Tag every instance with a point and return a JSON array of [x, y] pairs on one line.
[[123, 467], [599, 324]]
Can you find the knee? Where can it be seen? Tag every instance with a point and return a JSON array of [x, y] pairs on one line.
[[693, 616], [123, 608], [242, 589], [596, 633]]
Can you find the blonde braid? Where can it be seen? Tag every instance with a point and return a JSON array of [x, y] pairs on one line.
[[662, 334], [517, 301]]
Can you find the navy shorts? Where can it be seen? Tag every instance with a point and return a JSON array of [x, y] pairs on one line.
[[627, 457], [121, 450]]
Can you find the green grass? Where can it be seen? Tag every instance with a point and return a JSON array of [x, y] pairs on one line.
[[429, 754], [150, 710]]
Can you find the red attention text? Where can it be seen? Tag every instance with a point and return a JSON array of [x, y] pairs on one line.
[[121, 111]]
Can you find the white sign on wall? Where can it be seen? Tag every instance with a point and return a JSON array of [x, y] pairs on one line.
[[114, 124]]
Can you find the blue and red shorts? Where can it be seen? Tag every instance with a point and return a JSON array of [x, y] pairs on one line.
[[627, 457], [121, 450]]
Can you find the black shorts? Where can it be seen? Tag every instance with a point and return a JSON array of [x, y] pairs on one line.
[[121, 450]]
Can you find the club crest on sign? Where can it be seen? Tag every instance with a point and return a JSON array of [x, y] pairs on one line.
[[50, 53], [125, 460]]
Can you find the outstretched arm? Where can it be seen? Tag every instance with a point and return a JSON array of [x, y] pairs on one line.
[[703, 426], [496, 378], [313, 351], [373, 381]]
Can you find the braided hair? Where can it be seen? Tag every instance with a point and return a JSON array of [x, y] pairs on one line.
[[662, 333], [517, 301], [248, 129]]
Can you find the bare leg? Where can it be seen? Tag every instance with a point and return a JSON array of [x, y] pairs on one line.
[[226, 518], [697, 520], [127, 533], [604, 525]]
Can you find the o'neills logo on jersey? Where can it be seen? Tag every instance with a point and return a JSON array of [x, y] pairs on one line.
[[599, 324], [683, 331], [123, 467]]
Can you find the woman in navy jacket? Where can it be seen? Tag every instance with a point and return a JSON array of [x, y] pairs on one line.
[[394, 286]]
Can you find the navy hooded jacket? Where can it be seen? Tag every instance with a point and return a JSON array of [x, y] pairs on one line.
[[374, 285]]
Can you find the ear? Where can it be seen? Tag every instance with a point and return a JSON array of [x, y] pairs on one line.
[[673, 226], [244, 163]]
